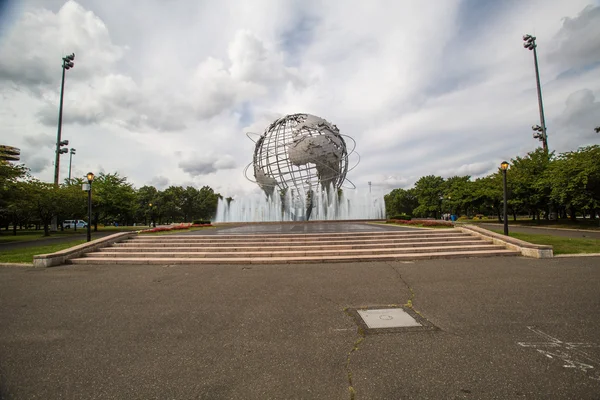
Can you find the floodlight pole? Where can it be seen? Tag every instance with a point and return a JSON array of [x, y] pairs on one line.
[[531, 45], [67, 64], [540, 103], [60, 110], [70, 162]]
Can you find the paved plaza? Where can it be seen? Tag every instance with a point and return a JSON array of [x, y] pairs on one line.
[[503, 328]]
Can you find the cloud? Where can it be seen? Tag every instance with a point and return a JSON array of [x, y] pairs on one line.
[[31, 52], [36, 164], [159, 182], [577, 43], [41, 140], [207, 165], [580, 115], [253, 71], [418, 97]]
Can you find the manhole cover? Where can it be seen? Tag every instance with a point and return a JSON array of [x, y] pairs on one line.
[[387, 318], [382, 319]]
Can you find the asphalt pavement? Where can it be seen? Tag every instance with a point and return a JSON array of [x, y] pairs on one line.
[[506, 328]]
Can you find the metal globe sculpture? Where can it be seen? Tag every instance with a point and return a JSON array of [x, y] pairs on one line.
[[302, 152]]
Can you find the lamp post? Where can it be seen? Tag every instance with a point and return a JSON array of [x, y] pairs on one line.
[[67, 64], [529, 44], [152, 221], [504, 167], [71, 162], [90, 178]]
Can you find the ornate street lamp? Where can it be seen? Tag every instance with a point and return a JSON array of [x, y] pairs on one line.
[[504, 167], [152, 221], [90, 178]]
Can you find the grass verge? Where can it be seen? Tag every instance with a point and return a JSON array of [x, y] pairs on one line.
[[560, 244], [25, 255], [28, 235]]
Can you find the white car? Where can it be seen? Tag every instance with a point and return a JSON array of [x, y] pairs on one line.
[[72, 223]]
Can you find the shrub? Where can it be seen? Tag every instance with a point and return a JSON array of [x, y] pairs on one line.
[[402, 217], [201, 222]]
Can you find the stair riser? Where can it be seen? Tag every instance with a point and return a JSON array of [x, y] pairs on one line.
[[199, 248], [289, 253], [286, 238], [288, 243], [307, 260], [424, 232]]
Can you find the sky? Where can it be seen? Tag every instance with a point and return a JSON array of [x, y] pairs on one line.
[[164, 92]]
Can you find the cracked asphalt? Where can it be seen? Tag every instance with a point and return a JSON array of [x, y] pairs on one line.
[[508, 328]]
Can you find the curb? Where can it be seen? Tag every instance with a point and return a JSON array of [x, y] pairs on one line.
[[527, 249], [578, 255], [26, 265], [61, 257]]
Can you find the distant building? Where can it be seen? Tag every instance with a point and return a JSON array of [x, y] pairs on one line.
[[9, 153]]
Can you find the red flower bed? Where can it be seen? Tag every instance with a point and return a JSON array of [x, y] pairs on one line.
[[422, 222]]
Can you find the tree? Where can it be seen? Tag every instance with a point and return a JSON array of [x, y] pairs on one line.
[[488, 194], [145, 196], [400, 201], [529, 190], [113, 199], [45, 200], [171, 203], [208, 200], [10, 190], [458, 195], [574, 179], [429, 191]]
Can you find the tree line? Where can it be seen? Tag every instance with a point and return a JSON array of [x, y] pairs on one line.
[[541, 185], [26, 201]]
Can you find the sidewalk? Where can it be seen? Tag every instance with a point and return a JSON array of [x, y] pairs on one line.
[[518, 328]]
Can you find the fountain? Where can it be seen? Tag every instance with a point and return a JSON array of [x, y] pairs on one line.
[[292, 205], [300, 162]]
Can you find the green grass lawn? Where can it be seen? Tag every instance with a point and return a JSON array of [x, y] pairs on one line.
[[27, 235], [561, 223], [560, 245], [25, 255]]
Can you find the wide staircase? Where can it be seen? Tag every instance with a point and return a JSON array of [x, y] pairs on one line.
[[295, 248]]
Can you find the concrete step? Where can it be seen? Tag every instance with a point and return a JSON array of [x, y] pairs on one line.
[[301, 259], [183, 242], [292, 236], [294, 253], [283, 247]]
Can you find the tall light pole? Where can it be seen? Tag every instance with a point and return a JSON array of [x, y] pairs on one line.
[[90, 178], [504, 167], [529, 44], [71, 161], [67, 64]]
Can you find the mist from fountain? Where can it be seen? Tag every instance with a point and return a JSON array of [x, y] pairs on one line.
[[292, 206]]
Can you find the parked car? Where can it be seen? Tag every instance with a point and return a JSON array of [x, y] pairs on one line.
[[72, 223]]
